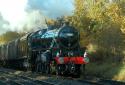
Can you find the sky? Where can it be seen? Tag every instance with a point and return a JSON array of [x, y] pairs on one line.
[[29, 14]]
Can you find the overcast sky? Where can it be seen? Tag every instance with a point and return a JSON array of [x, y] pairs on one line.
[[14, 14]]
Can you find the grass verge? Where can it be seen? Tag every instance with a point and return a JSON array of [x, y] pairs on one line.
[[115, 71]]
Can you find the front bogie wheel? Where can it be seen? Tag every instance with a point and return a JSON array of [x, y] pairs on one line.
[[77, 72]]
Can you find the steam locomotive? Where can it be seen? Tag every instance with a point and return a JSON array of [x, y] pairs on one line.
[[46, 51]]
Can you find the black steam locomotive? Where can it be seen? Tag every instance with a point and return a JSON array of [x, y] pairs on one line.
[[45, 51]]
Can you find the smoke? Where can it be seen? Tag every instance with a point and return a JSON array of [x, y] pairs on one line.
[[52, 8], [34, 21], [3, 24], [26, 15], [13, 12]]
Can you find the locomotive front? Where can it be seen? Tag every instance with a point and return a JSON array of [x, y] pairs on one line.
[[70, 57]]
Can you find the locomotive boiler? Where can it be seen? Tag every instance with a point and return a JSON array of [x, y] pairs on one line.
[[47, 50]]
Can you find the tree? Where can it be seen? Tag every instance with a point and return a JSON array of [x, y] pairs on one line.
[[100, 22], [9, 36]]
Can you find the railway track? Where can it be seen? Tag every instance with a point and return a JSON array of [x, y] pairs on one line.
[[8, 77], [78, 81], [94, 81], [100, 81]]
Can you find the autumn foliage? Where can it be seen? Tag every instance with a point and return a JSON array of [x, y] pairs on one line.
[[102, 25]]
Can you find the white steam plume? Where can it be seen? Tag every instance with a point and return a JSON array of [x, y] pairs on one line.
[[29, 14]]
